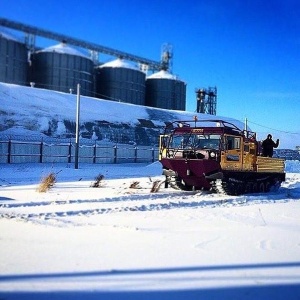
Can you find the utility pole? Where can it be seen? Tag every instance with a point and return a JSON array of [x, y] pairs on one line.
[[77, 127], [246, 127]]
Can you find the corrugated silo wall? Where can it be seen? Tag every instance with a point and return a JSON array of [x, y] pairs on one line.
[[166, 93], [120, 84], [62, 72], [13, 62]]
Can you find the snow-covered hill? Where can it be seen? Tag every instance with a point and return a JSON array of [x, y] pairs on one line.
[[43, 113], [35, 113]]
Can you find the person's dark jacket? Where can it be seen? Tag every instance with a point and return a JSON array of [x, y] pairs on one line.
[[268, 144]]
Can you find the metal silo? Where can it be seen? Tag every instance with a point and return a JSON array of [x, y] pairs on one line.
[[120, 81], [61, 68], [13, 60], [164, 90]]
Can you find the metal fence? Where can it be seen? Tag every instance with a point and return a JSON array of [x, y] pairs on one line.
[[12, 151]]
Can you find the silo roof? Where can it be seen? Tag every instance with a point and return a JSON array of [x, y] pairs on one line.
[[63, 48], [162, 75], [119, 63], [8, 36]]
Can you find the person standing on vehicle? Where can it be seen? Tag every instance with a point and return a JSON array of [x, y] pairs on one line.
[[267, 146]]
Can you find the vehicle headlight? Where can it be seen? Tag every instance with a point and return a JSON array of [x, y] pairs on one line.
[[212, 154]]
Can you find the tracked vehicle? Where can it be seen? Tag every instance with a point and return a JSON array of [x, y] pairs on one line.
[[218, 156]]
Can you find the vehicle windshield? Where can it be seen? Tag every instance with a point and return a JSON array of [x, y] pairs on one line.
[[195, 141]]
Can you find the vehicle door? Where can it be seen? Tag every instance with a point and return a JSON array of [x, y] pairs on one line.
[[232, 154]]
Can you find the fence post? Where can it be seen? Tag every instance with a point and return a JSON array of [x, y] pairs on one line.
[[41, 152], [153, 155], [70, 152], [135, 154], [115, 154], [9, 151], [95, 152]]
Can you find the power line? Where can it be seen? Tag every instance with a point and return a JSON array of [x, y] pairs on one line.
[[273, 129]]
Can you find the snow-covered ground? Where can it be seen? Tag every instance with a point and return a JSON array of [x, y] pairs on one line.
[[117, 242]]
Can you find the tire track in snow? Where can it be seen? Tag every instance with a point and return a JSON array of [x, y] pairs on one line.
[[259, 198], [181, 200], [131, 197]]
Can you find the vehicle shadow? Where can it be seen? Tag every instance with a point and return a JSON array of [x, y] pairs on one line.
[[266, 292], [257, 290], [5, 198]]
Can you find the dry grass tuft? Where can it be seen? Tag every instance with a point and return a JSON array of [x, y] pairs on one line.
[[156, 186], [97, 182], [135, 185], [47, 183]]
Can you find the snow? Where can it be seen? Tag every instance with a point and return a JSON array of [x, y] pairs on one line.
[[162, 75], [40, 105], [63, 48], [119, 63], [7, 35], [36, 109], [116, 242]]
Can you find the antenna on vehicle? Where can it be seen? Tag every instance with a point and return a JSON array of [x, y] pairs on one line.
[[246, 123]]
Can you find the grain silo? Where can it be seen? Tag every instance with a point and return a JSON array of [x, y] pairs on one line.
[[164, 90], [61, 68], [120, 81], [13, 60]]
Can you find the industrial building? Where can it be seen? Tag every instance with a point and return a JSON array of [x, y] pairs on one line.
[[13, 60], [120, 81], [62, 66], [164, 90]]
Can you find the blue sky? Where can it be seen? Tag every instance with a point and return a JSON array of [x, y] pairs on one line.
[[249, 50]]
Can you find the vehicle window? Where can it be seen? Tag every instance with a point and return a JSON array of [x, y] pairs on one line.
[[233, 142], [181, 141], [195, 141], [211, 141]]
